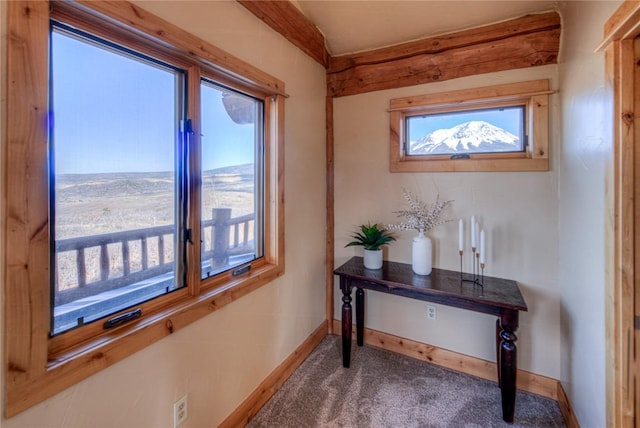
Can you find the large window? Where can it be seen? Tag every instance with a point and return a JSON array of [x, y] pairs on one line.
[[145, 171], [497, 128], [117, 165]]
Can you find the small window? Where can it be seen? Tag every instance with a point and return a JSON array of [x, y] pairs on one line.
[[500, 128]]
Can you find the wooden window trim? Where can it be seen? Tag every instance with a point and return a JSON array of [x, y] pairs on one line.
[[36, 366], [533, 94]]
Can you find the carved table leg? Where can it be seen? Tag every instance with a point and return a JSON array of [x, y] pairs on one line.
[[345, 286], [360, 316], [508, 363]]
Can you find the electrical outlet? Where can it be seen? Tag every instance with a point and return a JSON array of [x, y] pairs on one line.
[[431, 312], [180, 411]]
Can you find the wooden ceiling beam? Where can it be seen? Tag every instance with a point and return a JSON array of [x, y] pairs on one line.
[[528, 41], [287, 20]]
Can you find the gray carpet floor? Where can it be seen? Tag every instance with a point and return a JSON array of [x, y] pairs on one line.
[[384, 389]]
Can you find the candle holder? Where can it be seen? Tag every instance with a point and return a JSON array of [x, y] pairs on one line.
[[477, 275]]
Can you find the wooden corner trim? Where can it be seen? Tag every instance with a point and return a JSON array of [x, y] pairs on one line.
[[270, 385]]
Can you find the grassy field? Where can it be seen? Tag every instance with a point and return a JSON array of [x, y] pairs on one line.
[[93, 204]]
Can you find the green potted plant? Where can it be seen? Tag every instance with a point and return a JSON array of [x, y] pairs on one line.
[[371, 237]]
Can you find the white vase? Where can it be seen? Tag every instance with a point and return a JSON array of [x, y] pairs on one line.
[[373, 259], [421, 256]]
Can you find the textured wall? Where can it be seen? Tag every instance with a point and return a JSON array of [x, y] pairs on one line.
[[585, 150], [221, 358]]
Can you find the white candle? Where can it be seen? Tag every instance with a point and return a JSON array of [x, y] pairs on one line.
[[460, 235], [482, 247], [473, 231]]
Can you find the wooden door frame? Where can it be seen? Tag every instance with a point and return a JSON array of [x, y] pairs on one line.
[[620, 203]]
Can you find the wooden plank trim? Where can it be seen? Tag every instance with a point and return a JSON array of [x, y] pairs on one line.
[[169, 34], [460, 96], [435, 102], [27, 277], [623, 24], [466, 165], [330, 251], [286, 19], [521, 51], [254, 402], [620, 394], [461, 39], [566, 409], [527, 381]]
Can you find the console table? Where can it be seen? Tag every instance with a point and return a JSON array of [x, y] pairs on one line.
[[500, 297]]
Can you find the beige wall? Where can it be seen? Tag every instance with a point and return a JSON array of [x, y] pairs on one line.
[[220, 359], [518, 212], [544, 230], [584, 155]]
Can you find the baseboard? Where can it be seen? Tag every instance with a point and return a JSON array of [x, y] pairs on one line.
[[526, 381], [565, 407], [252, 404]]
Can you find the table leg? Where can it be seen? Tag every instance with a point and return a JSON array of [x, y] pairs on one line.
[[498, 340], [508, 363], [345, 286], [360, 316]]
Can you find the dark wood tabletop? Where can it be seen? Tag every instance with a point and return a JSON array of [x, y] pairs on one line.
[[442, 286]]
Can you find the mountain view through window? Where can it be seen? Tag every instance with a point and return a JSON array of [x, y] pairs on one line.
[[499, 130]]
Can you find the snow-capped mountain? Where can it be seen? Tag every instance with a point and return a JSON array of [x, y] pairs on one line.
[[475, 136]]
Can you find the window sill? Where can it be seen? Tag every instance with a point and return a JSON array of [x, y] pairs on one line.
[[470, 165]]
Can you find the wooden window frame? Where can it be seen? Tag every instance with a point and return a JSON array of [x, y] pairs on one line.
[[534, 95], [38, 366]]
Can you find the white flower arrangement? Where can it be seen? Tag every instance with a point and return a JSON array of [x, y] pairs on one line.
[[419, 216]]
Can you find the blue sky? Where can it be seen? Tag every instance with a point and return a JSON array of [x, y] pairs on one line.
[[509, 119], [114, 114]]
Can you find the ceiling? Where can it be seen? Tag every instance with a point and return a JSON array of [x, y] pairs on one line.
[[356, 25]]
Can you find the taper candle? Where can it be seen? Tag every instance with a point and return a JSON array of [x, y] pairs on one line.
[[473, 232], [460, 235], [482, 247]]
